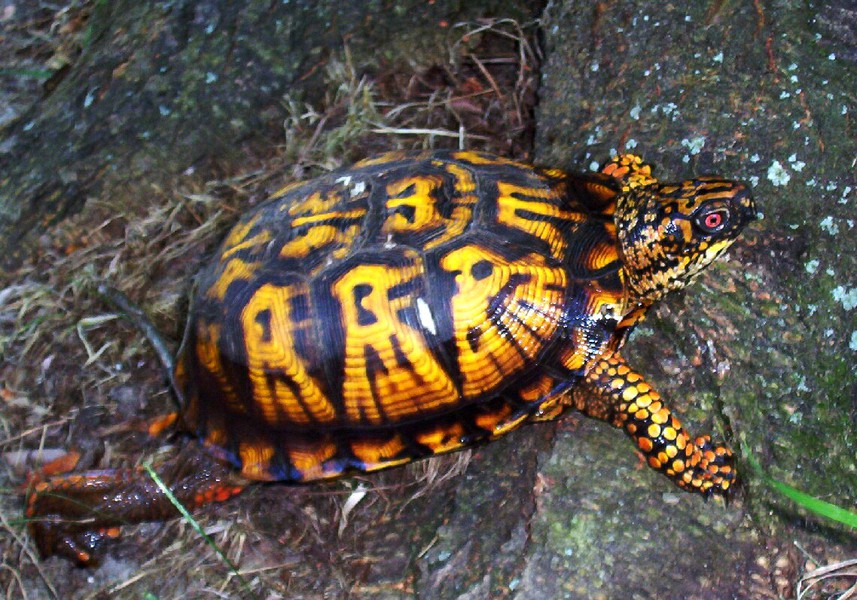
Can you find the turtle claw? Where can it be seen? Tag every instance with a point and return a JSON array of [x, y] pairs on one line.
[[53, 511], [70, 540], [713, 469]]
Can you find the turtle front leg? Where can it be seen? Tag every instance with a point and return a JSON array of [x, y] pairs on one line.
[[615, 393], [71, 515]]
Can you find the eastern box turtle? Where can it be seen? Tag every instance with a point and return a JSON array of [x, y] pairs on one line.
[[413, 305]]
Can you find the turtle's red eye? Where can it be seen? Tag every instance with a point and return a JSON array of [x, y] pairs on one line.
[[712, 221]]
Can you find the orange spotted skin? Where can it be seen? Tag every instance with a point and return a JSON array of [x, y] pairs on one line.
[[417, 304]]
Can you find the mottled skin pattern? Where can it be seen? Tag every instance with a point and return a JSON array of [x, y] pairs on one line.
[[415, 305]]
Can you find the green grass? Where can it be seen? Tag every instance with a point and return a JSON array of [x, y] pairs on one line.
[[29, 73], [810, 503]]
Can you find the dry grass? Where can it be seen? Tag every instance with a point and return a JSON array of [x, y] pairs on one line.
[[836, 581], [71, 371]]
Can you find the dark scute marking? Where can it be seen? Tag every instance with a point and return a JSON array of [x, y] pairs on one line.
[[515, 280], [534, 332], [413, 449], [263, 318], [449, 438], [407, 211], [526, 307], [519, 279], [304, 346], [503, 330], [408, 316], [533, 216], [447, 197], [401, 359], [498, 307], [274, 377], [405, 288], [279, 468], [405, 193], [482, 270], [295, 389], [231, 454], [374, 364], [589, 237], [473, 338], [299, 308], [364, 317]]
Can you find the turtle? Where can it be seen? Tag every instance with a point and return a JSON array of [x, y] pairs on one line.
[[411, 305]]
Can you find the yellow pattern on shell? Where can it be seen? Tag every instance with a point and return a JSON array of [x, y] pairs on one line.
[[442, 438], [388, 392], [318, 237], [208, 354], [237, 239], [234, 270], [314, 204], [516, 331], [272, 360], [310, 461], [255, 459], [376, 453], [478, 158], [513, 200], [463, 201], [418, 194]]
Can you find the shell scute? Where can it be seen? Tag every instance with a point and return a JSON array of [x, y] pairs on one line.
[[371, 307]]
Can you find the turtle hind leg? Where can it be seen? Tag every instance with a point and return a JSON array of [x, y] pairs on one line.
[[615, 393], [72, 515]]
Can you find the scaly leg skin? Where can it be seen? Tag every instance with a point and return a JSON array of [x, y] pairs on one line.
[[71, 515], [615, 393]]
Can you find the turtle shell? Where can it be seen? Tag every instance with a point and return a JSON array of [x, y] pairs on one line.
[[407, 306]]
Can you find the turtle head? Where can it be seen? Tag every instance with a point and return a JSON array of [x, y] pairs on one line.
[[669, 232]]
